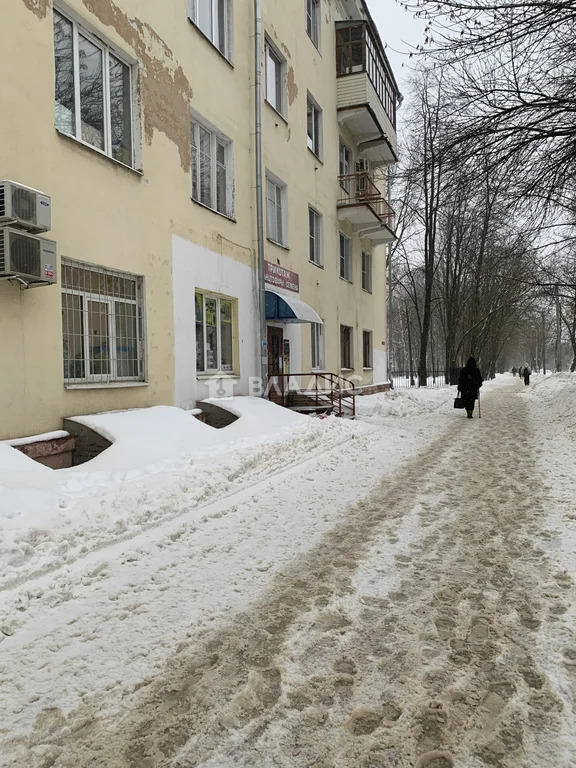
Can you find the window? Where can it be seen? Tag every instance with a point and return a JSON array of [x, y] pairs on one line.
[[102, 324], [212, 17], [93, 91], [275, 78], [317, 341], [367, 271], [313, 21], [346, 356], [212, 175], [345, 160], [367, 349], [314, 126], [345, 258], [275, 211], [214, 334], [315, 237]]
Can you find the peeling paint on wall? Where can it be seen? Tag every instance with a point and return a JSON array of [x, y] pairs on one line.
[[39, 7], [292, 87], [165, 90]]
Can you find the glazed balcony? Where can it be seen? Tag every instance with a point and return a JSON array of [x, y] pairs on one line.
[[361, 203], [367, 93]]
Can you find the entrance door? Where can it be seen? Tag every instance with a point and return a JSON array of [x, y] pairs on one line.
[[275, 349]]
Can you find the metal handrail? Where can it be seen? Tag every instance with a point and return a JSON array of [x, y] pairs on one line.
[[344, 395], [359, 189]]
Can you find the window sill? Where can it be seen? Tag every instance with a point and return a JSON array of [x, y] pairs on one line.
[[110, 385], [279, 114], [346, 370], [319, 370], [213, 210], [346, 280], [315, 264], [367, 291], [280, 245], [367, 369], [216, 375], [315, 156], [90, 148], [215, 47]]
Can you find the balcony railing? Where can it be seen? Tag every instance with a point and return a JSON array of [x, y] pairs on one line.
[[359, 189], [357, 50]]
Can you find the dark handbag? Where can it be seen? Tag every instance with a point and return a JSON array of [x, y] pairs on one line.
[[459, 402]]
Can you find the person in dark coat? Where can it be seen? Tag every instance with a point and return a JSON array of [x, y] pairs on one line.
[[526, 371], [469, 383]]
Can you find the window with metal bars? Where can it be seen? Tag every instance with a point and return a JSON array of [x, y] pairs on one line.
[[212, 174], [102, 324], [93, 91]]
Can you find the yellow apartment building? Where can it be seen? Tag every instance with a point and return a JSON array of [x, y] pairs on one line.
[[137, 265]]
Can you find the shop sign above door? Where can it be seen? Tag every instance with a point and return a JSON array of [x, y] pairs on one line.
[[280, 277]]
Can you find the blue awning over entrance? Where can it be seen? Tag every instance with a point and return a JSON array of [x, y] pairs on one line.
[[288, 309]]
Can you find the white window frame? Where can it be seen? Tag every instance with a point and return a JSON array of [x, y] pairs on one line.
[[345, 258], [366, 271], [349, 367], [370, 360], [194, 17], [313, 18], [216, 137], [215, 297], [110, 301], [315, 240], [273, 55], [280, 202], [317, 347], [314, 131], [79, 28], [344, 159]]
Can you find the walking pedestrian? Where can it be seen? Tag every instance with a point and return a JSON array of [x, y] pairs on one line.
[[526, 371], [514, 369], [469, 383]]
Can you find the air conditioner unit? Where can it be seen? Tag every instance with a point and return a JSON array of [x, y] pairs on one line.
[[26, 257], [24, 207]]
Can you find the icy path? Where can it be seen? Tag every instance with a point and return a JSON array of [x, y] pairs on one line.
[[425, 626]]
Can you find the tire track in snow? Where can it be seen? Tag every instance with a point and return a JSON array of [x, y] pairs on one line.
[[436, 670]]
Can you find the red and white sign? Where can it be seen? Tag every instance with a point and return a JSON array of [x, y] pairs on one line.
[[280, 277]]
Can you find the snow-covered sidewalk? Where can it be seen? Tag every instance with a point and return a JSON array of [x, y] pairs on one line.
[[94, 615]]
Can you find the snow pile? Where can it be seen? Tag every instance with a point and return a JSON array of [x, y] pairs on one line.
[[417, 401], [162, 463]]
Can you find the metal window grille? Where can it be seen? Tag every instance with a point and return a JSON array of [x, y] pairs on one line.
[[102, 324]]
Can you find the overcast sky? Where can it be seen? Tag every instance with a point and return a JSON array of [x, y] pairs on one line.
[[400, 33]]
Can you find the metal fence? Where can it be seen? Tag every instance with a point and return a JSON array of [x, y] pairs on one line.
[[405, 380]]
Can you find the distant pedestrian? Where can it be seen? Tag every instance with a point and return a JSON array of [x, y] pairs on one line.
[[526, 371], [469, 383], [514, 370]]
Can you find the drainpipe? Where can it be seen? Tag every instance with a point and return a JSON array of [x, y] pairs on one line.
[[389, 296], [259, 201]]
